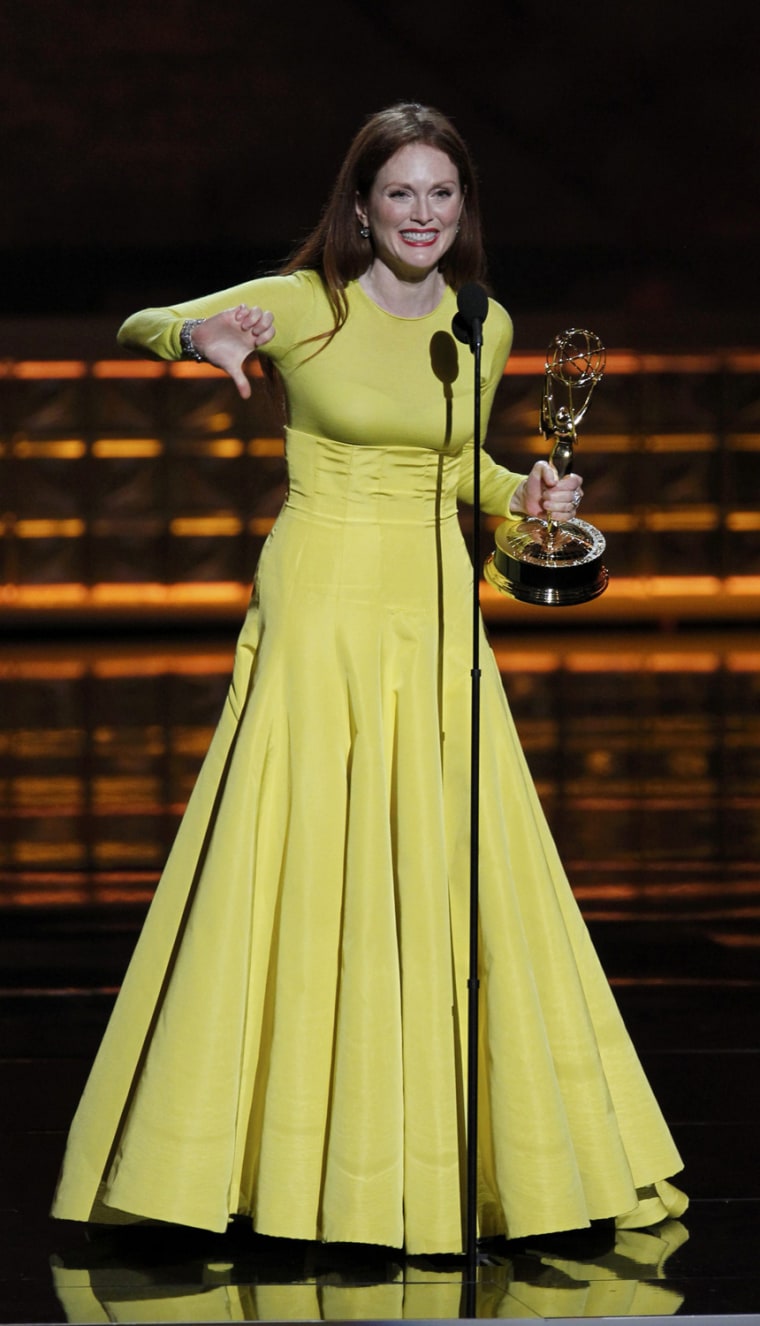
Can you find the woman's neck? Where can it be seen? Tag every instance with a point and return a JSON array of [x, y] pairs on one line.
[[406, 299]]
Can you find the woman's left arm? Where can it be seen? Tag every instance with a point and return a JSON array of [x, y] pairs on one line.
[[502, 493]]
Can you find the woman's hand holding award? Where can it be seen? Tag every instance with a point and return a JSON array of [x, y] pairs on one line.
[[543, 561]]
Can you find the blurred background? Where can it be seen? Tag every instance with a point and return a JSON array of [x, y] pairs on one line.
[[153, 152]]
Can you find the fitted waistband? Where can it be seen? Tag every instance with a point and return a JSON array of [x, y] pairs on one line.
[[338, 481]]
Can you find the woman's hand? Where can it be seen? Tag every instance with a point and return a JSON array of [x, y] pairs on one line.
[[542, 493], [229, 338]]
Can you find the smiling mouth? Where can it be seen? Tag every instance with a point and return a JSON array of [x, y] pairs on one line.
[[420, 237]]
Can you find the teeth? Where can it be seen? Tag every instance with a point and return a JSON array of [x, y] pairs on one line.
[[421, 235]]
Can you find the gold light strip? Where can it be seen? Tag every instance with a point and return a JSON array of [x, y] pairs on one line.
[[687, 661], [521, 660], [527, 362], [60, 853], [710, 362], [60, 449], [645, 661], [606, 442], [129, 368], [181, 368], [628, 362], [742, 585], [218, 526], [266, 446], [226, 447], [744, 661], [685, 518], [659, 442], [743, 520], [744, 361], [40, 669], [45, 596], [189, 594], [619, 522], [151, 665], [49, 529], [189, 368], [676, 586], [744, 441], [118, 448], [36, 369], [590, 444]]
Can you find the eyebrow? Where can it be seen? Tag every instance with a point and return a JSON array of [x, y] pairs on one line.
[[405, 184]]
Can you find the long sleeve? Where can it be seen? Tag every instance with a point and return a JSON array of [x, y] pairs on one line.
[[497, 484], [155, 331]]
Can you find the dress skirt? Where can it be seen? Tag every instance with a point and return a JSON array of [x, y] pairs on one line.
[[290, 1039]]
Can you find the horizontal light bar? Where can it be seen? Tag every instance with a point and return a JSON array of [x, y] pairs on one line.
[[122, 448], [25, 448], [49, 529], [621, 362], [205, 527]]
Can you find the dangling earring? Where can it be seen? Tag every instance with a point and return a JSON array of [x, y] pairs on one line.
[[365, 232]]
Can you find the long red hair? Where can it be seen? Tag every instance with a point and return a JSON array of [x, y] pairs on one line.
[[336, 248]]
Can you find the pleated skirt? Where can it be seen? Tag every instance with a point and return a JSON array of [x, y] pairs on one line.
[[289, 1042]]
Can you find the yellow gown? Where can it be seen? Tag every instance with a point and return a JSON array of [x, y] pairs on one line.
[[290, 1038]]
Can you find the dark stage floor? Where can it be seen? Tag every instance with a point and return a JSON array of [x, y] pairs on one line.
[[659, 836]]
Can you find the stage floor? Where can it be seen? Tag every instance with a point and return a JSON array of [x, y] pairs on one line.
[[673, 907]]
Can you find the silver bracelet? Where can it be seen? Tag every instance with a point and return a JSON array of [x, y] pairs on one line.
[[186, 342]]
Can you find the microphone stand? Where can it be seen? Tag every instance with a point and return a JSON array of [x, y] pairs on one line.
[[473, 982], [471, 330], [472, 303]]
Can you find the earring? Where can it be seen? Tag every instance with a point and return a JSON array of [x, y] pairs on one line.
[[365, 232]]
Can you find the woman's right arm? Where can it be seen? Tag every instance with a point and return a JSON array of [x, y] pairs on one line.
[[226, 328]]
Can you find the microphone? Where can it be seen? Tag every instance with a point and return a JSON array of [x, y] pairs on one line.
[[467, 326]]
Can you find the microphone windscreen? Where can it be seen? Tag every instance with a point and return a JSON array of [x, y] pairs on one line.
[[472, 302]]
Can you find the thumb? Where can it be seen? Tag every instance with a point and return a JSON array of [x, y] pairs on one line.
[[548, 474], [241, 381]]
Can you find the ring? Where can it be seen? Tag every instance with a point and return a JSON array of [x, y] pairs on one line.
[[577, 495]]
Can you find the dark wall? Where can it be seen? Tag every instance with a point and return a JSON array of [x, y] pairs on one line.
[[155, 150]]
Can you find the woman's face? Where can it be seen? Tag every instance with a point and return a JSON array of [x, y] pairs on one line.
[[413, 209]]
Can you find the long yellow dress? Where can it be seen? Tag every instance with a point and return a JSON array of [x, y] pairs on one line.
[[289, 1041]]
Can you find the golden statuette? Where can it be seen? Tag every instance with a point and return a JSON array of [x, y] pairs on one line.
[[544, 561]]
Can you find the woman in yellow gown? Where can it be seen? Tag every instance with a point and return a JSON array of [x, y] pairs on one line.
[[289, 1040]]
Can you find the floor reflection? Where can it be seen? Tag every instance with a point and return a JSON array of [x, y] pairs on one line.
[[147, 1276]]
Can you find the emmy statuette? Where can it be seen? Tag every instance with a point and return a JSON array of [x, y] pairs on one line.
[[542, 561]]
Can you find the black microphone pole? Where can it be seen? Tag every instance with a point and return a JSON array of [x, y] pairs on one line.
[[467, 326]]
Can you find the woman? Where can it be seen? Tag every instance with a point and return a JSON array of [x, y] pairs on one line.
[[289, 1040]]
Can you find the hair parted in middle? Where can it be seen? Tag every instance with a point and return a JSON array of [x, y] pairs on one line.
[[337, 250]]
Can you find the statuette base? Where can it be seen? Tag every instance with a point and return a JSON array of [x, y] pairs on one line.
[[552, 565]]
